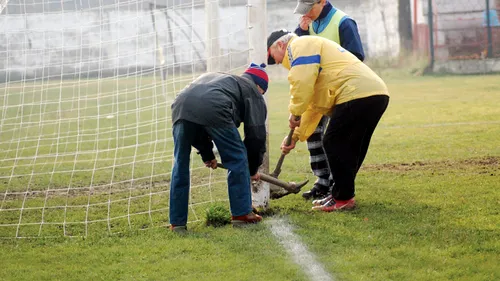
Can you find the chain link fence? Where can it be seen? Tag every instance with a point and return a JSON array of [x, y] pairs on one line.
[[466, 29], [460, 36]]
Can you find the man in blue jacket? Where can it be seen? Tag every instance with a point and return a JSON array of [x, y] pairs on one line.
[[210, 109], [321, 18]]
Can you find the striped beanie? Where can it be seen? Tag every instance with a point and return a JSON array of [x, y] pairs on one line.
[[259, 75]]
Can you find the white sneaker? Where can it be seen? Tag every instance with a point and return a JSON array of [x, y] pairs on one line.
[[322, 201]]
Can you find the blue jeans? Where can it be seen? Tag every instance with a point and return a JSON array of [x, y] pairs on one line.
[[233, 156]]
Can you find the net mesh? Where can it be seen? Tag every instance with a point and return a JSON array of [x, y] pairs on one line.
[[85, 93]]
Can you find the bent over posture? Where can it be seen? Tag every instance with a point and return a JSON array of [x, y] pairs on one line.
[[210, 109], [326, 80]]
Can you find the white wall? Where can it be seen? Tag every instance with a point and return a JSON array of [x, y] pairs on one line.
[[73, 42]]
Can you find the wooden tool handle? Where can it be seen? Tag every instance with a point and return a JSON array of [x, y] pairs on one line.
[[277, 170], [267, 178]]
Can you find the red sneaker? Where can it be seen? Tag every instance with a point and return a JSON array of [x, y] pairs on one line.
[[336, 205], [246, 219]]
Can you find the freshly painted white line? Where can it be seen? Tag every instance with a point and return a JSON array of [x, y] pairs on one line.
[[297, 250]]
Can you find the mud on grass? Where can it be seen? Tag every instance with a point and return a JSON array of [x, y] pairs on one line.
[[111, 208], [487, 164]]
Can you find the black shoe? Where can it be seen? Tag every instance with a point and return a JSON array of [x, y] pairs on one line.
[[315, 192]]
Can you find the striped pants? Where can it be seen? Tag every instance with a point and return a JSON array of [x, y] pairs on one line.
[[317, 156]]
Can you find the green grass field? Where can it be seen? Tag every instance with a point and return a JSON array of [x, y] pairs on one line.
[[91, 157], [428, 196]]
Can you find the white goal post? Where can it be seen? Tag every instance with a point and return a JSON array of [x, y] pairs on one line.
[[257, 38], [85, 123], [3, 3]]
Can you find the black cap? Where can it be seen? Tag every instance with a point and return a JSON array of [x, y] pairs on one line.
[[270, 41]]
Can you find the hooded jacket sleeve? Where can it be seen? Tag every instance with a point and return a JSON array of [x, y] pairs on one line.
[[300, 32], [203, 143], [350, 39], [254, 119], [308, 123]]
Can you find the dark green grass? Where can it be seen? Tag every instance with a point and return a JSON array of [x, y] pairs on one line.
[[436, 222], [428, 198], [156, 254], [92, 157], [429, 191]]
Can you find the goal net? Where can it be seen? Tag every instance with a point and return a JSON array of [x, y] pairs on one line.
[[85, 123]]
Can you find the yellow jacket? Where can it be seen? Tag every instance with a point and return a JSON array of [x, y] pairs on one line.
[[322, 74]]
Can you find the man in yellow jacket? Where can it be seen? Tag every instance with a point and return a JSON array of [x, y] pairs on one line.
[[327, 80]]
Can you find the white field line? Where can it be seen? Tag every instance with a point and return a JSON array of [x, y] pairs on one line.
[[432, 125], [297, 250]]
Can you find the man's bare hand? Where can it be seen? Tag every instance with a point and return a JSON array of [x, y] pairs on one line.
[[286, 149], [255, 177], [294, 121], [211, 164], [305, 22]]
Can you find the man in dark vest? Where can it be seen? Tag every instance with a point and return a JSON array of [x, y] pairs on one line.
[[322, 19]]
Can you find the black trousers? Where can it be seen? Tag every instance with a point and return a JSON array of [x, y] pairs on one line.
[[347, 138]]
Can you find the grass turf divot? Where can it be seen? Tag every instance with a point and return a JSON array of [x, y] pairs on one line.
[[217, 215]]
